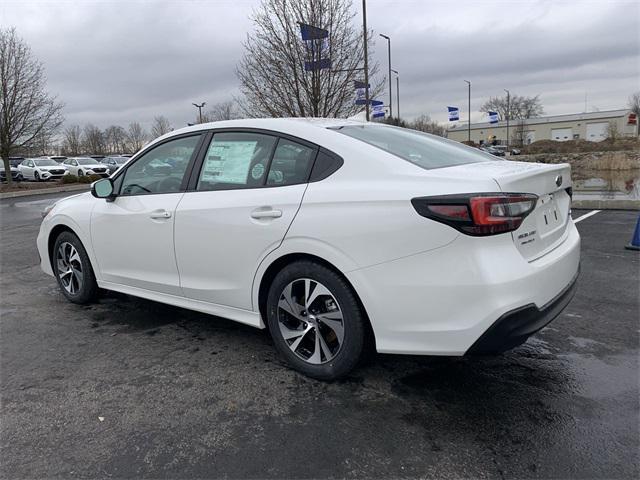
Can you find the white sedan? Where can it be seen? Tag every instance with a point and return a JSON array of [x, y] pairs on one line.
[[333, 234], [40, 169], [80, 166]]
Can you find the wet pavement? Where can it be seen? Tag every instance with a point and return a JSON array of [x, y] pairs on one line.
[[132, 388]]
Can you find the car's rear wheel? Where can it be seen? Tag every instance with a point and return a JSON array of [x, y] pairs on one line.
[[315, 320], [73, 270]]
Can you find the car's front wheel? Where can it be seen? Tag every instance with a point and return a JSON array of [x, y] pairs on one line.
[[36, 176], [315, 320], [73, 270], [80, 173]]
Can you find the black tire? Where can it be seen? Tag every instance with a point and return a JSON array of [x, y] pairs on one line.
[[36, 176], [84, 292], [80, 173], [349, 352]]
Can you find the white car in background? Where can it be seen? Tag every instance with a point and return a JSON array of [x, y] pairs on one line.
[[80, 166], [40, 169], [333, 234]]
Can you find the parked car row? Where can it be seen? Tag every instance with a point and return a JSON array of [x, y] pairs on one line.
[[55, 167]]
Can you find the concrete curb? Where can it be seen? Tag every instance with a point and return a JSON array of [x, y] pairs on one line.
[[44, 191]]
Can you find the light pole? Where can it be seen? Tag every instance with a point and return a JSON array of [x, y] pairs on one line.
[[508, 113], [199, 107], [366, 59], [469, 106], [397, 94], [390, 93]]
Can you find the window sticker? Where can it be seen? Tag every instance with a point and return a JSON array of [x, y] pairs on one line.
[[228, 162]]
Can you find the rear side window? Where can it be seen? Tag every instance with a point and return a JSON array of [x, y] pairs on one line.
[[291, 163], [421, 149], [236, 160]]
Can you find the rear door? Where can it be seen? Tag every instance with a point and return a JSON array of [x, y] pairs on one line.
[[241, 202]]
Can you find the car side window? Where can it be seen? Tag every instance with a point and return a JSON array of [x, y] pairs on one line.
[[236, 160], [160, 170], [291, 163]]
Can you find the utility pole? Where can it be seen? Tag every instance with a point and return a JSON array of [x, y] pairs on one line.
[[508, 114], [366, 58], [469, 106], [390, 89], [397, 94], [199, 107]]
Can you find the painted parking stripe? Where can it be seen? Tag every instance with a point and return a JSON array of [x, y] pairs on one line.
[[586, 215]]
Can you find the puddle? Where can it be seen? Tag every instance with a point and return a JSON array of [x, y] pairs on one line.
[[607, 185]]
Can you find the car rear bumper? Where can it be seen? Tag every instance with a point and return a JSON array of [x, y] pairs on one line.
[[515, 327], [442, 301]]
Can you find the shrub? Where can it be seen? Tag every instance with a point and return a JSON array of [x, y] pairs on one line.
[[89, 178], [69, 179]]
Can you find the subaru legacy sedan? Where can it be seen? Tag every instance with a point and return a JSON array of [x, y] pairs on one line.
[[335, 235]]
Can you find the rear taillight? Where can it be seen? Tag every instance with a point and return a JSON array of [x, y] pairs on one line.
[[478, 214]]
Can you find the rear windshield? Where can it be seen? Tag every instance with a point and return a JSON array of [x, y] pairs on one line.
[[424, 150]]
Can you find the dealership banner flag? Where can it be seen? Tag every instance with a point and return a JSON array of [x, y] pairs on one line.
[[378, 110], [493, 117], [454, 113], [309, 32]]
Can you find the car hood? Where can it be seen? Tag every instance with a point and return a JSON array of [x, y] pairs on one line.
[[52, 167]]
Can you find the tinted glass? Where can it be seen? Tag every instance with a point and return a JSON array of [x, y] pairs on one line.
[[160, 170], [45, 162], [291, 163], [87, 161], [236, 160], [426, 151]]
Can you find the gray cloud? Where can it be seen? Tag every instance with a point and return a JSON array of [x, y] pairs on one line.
[[119, 61]]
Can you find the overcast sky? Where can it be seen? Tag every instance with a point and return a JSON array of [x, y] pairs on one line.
[[114, 61]]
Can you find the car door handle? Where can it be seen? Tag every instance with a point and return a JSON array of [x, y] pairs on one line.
[[160, 214], [266, 214]]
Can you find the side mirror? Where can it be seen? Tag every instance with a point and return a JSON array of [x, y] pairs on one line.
[[103, 188]]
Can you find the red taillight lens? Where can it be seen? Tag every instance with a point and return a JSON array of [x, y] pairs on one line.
[[478, 214]]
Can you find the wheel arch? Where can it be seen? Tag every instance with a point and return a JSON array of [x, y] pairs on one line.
[[279, 263], [54, 234]]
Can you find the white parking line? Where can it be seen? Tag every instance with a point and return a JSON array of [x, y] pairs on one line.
[[586, 215]]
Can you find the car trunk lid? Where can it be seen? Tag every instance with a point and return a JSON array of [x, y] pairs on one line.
[[544, 228]]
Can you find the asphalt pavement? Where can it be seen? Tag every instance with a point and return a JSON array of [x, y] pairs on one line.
[[131, 388]]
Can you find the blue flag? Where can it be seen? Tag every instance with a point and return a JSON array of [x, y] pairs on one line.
[[493, 117], [454, 114], [319, 65], [378, 111], [309, 32]]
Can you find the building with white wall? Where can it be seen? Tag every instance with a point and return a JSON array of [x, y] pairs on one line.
[[592, 126]]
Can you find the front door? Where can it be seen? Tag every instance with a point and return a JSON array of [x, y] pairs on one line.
[[249, 189], [133, 234]]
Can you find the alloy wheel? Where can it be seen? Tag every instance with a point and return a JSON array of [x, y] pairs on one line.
[[310, 321], [69, 269]]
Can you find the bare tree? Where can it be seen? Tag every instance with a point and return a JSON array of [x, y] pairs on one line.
[[221, 111], [115, 139], [136, 137], [424, 124], [28, 112], [160, 126], [93, 140], [272, 71], [518, 107], [613, 132], [72, 144], [634, 105]]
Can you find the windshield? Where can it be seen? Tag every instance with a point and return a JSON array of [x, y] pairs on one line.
[[121, 161], [45, 162], [86, 161], [424, 150]]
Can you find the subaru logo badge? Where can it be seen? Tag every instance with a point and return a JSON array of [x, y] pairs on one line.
[[559, 180]]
